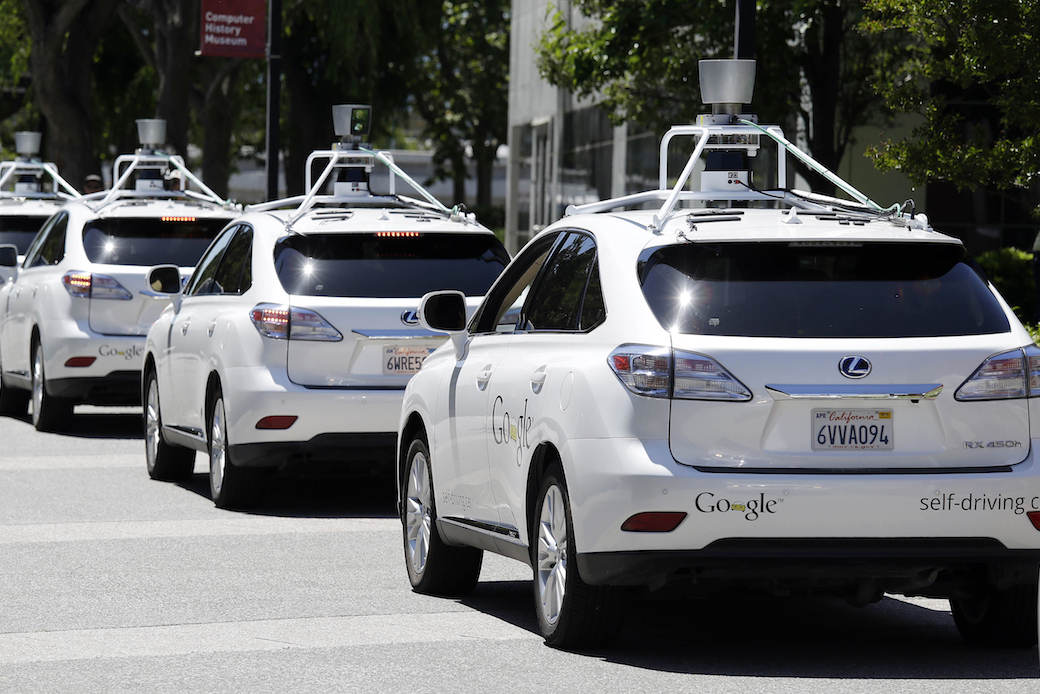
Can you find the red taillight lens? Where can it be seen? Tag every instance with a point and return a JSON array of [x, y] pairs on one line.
[[80, 361], [658, 373], [277, 422], [284, 322], [77, 284], [654, 522], [271, 321], [644, 369], [84, 285], [1034, 518]]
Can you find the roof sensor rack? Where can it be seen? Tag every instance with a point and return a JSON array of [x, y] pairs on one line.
[[28, 172]]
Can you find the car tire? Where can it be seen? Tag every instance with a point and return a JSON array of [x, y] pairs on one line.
[[230, 486], [1004, 618], [49, 413], [165, 462], [434, 568], [14, 402], [571, 613]]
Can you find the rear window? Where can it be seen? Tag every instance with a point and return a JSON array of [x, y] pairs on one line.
[[20, 230], [388, 265], [819, 289], [149, 241]]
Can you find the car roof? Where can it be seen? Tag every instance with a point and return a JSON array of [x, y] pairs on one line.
[[151, 207], [364, 219]]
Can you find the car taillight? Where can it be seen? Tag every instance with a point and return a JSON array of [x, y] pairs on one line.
[[285, 322], [1003, 377], [698, 377], [648, 370], [87, 286]]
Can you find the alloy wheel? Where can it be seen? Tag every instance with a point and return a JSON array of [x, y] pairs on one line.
[[552, 554], [417, 513]]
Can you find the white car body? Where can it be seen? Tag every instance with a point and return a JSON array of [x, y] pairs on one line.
[[329, 401], [82, 296], [736, 481]]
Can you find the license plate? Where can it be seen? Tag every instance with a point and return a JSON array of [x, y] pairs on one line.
[[404, 360], [852, 430]]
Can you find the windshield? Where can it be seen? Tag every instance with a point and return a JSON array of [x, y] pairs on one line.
[[20, 230], [388, 264], [148, 241], [819, 289]]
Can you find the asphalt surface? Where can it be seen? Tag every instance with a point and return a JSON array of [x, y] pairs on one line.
[[112, 582]]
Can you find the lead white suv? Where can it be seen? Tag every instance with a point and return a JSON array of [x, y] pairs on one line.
[[295, 337], [73, 320], [767, 389]]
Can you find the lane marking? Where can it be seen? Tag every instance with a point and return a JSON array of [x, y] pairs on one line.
[[65, 462], [213, 527], [262, 635], [933, 604]]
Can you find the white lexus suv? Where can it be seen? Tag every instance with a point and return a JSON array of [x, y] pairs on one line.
[[74, 318], [292, 343], [764, 388]]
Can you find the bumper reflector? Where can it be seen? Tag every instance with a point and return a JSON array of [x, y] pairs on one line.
[[1034, 518], [655, 522], [80, 361], [277, 422]]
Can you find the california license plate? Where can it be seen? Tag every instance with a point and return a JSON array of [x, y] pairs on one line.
[[404, 360], [852, 430]]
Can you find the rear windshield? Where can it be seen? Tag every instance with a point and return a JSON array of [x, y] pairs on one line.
[[20, 230], [819, 289], [149, 240], [387, 265]]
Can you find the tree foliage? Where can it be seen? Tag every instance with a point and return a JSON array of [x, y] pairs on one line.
[[971, 73], [460, 87], [815, 65]]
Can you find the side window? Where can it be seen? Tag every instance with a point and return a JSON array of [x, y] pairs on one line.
[[556, 301], [34, 248], [202, 281], [51, 247], [500, 311], [593, 311], [231, 273]]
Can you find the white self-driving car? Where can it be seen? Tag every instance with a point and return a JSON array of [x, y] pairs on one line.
[[30, 192], [74, 318], [765, 388], [292, 343]]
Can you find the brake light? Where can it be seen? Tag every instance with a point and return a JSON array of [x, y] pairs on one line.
[[87, 286], [398, 234], [648, 370], [173, 218], [285, 322], [277, 422], [1003, 377], [654, 522]]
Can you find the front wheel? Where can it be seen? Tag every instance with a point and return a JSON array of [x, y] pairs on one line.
[[571, 613], [1000, 618], [49, 413], [165, 462], [434, 568], [230, 486]]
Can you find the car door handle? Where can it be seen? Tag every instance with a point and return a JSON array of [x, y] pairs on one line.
[[483, 377], [212, 327], [538, 380], [184, 327]]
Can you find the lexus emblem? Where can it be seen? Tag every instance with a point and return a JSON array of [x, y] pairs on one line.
[[412, 318], [854, 367]]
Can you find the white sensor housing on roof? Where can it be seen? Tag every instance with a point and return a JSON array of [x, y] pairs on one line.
[[726, 84], [27, 143], [352, 121], [151, 132]]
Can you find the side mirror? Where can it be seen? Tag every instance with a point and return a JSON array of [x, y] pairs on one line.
[[8, 255], [445, 312], [165, 279]]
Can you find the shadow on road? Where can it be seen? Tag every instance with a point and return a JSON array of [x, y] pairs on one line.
[[104, 425], [797, 637]]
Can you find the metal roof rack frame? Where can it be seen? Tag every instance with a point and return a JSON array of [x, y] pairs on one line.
[[31, 166], [152, 160]]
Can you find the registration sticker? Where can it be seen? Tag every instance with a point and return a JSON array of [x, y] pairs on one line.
[[404, 360], [852, 430]]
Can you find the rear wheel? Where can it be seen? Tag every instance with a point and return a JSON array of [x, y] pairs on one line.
[[231, 487], [1001, 618], [165, 462], [49, 413], [434, 568], [571, 613]]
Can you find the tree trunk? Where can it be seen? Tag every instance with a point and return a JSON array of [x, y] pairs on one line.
[[220, 109], [65, 36], [177, 32]]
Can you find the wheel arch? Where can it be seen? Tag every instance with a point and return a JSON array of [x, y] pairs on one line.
[[212, 385], [413, 426], [543, 457], [147, 368]]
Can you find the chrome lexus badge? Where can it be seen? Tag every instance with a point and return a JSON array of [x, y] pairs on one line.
[[412, 318], [854, 367]]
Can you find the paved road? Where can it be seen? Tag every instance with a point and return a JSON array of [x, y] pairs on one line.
[[110, 582]]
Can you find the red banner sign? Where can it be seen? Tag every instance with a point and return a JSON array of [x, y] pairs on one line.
[[234, 28]]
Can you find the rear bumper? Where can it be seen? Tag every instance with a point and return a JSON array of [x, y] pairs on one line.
[[326, 452], [113, 378], [117, 388]]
